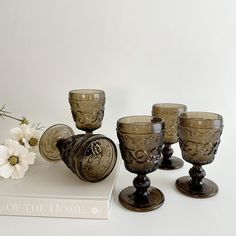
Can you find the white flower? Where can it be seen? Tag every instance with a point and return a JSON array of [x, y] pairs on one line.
[[26, 136], [14, 159]]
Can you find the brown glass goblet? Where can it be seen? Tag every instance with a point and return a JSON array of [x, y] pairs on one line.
[[87, 107], [199, 138], [169, 112], [141, 139], [92, 157]]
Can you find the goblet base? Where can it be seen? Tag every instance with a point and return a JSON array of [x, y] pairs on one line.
[[170, 164], [185, 186], [153, 201]]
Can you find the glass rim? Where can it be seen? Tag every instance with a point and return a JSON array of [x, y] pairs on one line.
[[198, 119], [169, 105], [141, 124], [86, 94]]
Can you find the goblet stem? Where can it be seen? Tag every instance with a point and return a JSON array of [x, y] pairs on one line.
[[169, 162], [197, 174], [141, 184], [60, 143], [196, 186], [89, 132], [167, 152]]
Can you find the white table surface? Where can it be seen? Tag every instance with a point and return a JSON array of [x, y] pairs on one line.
[[180, 215]]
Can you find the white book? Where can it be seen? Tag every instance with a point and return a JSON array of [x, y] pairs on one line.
[[52, 190]]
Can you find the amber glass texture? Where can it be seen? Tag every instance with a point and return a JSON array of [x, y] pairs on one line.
[[141, 139], [87, 108], [92, 157], [169, 112], [199, 138]]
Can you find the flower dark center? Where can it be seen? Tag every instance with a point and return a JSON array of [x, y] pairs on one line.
[[21, 142], [33, 142], [13, 160]]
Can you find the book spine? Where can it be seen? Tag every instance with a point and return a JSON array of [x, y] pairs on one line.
[[49, 207]]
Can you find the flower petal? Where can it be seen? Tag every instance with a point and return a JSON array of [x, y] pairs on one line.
[[28, 159], [16, 133], [26, 143], [6, 170], [26, 130], [4, 154], [3, 162], [21, 150], [19, 171], [15, 149], [10, 143]]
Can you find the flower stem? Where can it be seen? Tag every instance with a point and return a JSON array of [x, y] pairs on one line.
[[4, 113], [12, 117]]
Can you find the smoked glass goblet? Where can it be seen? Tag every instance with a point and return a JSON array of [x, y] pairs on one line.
[[199, 138], [92, 157], [87, 107], [141, 139], [169, 112]]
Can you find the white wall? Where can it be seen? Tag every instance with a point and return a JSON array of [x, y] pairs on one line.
[[139, 52]]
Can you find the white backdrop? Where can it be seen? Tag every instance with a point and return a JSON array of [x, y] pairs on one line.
[[138, 52]]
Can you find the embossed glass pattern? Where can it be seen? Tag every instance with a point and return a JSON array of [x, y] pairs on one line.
[[169, 112], [199, 138], [87, 108], [92, 157], [140, 139]]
